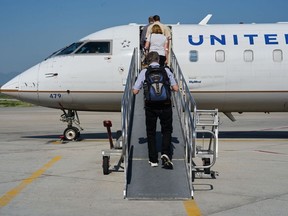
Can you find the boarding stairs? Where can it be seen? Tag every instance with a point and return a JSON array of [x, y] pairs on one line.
[[199, 127], [206, 148], [191, 154]]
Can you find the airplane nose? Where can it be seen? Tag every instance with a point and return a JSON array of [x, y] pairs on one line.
[[24, 86], [11, 88]]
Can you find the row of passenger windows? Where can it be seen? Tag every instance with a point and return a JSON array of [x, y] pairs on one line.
[[248, 55]]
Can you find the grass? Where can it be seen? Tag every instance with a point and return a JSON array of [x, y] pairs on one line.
[[6, 101], [3, 96]]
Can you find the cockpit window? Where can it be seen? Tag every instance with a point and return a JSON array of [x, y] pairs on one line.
[[94, 47], [70, 48], [54, 54]]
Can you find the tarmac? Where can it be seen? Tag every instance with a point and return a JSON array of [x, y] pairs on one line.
[[40, 175]]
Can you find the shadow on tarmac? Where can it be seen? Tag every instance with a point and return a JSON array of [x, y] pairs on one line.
[[254, 134], [222, 135], [82, 136]]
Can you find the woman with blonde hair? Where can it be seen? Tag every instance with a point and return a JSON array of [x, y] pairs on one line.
[[157, 42]]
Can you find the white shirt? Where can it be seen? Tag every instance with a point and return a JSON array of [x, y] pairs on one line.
[[157, 43]]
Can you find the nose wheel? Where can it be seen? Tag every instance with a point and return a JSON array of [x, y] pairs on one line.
[[71, 133]]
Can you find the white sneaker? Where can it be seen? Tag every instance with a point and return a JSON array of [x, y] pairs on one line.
[[166, 162], [153, 164]]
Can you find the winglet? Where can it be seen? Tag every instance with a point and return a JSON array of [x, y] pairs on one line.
[[205, 20]]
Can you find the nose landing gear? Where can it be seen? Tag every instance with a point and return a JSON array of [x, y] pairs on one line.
[[71, 132]]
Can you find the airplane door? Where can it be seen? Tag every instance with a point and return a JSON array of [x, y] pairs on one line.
[[123, 47]]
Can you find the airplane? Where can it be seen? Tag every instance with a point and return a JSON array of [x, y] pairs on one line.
[[231, 67]]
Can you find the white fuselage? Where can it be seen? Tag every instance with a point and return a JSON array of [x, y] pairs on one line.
[[234, 68]]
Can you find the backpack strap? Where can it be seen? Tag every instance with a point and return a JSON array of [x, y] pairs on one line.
[[162, 68]]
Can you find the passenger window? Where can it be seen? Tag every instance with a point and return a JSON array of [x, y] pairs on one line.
[[220, 56], [248, 56], [95, 47], [277, 55], [193, 56]]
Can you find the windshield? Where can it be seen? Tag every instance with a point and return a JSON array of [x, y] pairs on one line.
[[70, 48], [92, 47], [95, 47]]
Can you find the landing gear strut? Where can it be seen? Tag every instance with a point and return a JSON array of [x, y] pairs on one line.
[[71, 132]]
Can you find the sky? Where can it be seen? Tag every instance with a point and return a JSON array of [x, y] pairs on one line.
[[31, 30]]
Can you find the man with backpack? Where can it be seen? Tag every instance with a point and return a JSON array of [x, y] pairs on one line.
[[157, 83]]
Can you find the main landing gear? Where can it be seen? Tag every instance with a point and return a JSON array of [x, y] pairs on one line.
[[71, 132]]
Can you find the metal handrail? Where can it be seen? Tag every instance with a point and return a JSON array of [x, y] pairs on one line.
[[186, 107], [128, 100]]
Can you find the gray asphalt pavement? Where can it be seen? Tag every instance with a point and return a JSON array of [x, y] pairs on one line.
[[39, 175]]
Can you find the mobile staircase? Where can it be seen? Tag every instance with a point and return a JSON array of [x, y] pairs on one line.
[[192, 154], [199, 128]]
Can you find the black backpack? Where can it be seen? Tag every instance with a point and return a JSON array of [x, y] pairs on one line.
[[157, 86]]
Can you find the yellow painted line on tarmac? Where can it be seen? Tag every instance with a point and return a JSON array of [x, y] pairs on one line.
[[10, 195], [192, 208]]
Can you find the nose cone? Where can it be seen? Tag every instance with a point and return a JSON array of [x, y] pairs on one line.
[[11, 88], [23, 86]]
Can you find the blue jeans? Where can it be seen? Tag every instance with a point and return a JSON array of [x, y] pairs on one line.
[[165, 116]]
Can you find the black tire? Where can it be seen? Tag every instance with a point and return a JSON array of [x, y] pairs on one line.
[[71, 133], [213, 175], [206, 162], [105, 165], [193, 176]]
